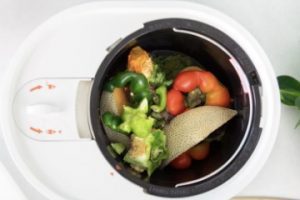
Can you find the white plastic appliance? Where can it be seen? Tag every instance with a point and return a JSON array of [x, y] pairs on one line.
[[49, 143]]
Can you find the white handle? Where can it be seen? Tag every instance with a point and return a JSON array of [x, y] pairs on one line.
[[54, 109], [42, 109]]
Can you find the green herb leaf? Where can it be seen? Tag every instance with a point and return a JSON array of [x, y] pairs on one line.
[[171, 62], [289, 90], [297, 102], [298, 124]]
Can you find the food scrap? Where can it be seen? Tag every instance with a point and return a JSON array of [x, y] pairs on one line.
[[161, 108]]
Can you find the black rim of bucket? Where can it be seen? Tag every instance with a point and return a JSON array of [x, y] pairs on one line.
[[254, 131]]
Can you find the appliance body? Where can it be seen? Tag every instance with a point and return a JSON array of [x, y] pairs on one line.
[[65, 163]]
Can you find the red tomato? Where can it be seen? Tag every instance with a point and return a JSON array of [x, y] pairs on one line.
[[220, 97], [183, 161], [185, 81], [216, 93], [207, 82], [200, 151], [175, 102]]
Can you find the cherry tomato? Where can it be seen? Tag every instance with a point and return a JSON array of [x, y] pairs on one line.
[[175, 102], [183, 161], [200, 151]]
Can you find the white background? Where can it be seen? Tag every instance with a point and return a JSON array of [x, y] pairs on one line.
[[274, 23]]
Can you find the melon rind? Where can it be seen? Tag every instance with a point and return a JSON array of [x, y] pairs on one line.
[[193, 126]]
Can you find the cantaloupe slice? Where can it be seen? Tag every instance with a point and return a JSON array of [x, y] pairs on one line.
[[113, 102], [191, 127]]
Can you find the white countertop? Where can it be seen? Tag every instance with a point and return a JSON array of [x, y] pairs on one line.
[[276, 26]]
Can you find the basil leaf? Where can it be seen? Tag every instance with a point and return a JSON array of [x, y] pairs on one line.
[[289, 90]]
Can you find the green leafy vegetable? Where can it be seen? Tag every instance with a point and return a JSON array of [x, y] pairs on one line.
[[147, 153], [139, 153], [297, 102], [159, 151], [135, 120], [298, 124], [289, 92], [172, 63], [158, 77]]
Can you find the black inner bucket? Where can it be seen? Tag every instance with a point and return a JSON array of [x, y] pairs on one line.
[[214, 59]]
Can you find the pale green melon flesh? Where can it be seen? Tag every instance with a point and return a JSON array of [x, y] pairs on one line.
[[191, 127], [108, 103]]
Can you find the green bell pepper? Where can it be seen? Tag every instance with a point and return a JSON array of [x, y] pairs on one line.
[[138, 85], [135, 120], [119, 148], [162, 93], [112, 121]]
